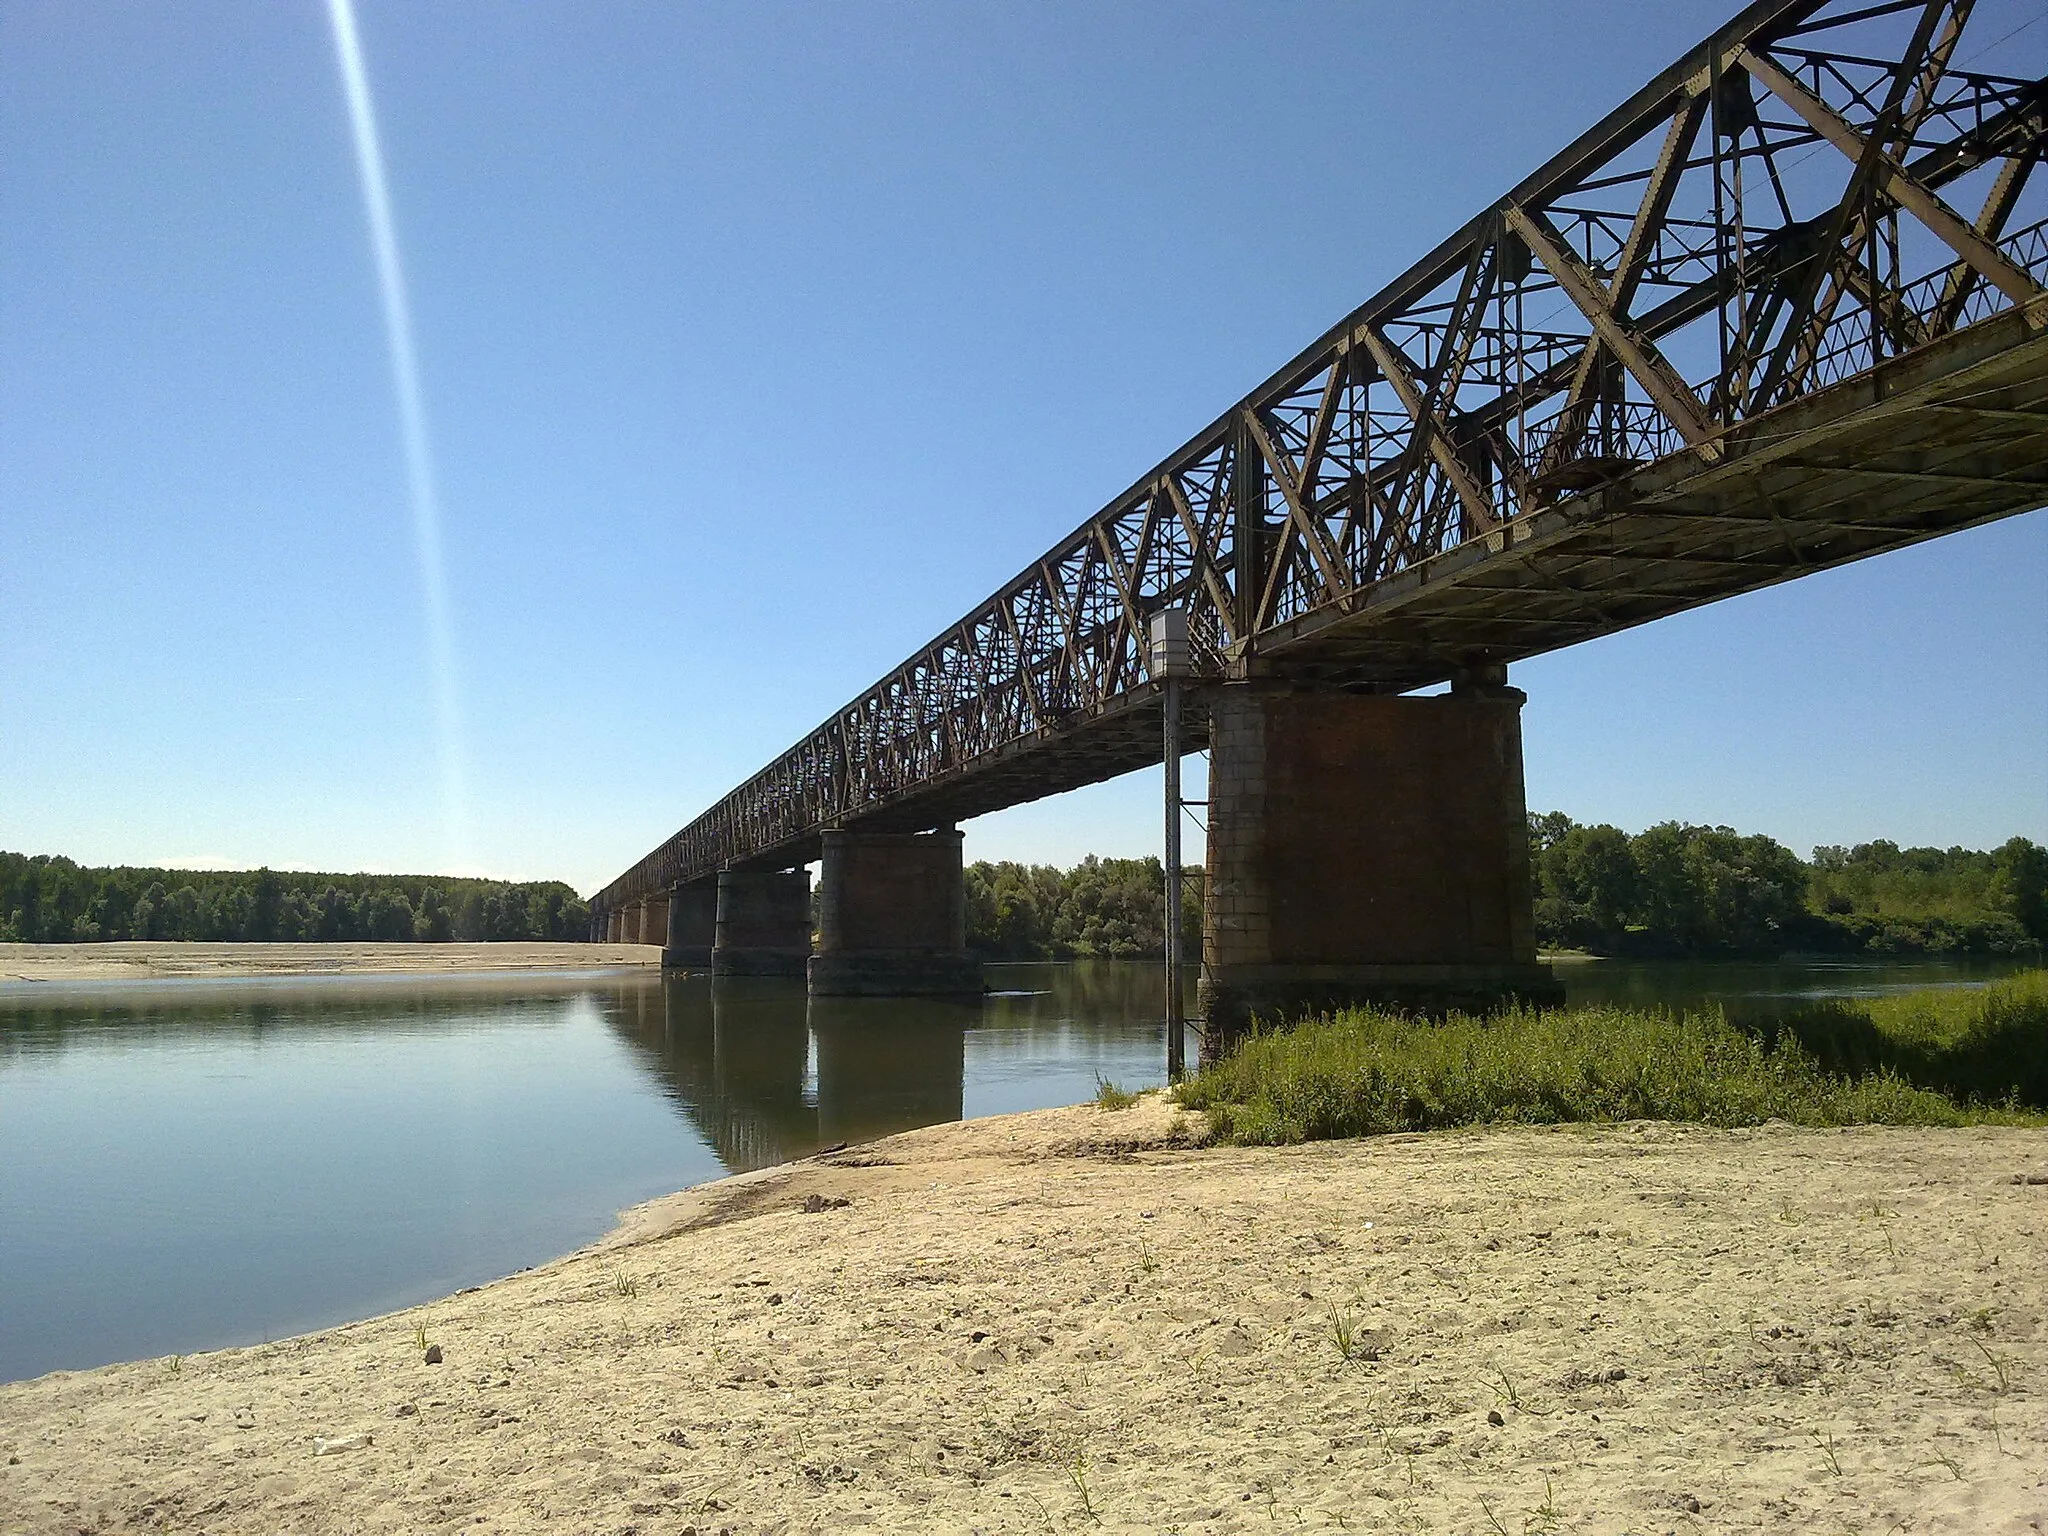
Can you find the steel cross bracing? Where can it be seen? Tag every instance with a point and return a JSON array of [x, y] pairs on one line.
[[1782, 309]]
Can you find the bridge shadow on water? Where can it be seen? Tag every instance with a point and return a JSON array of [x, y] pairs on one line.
[[766, 1073]]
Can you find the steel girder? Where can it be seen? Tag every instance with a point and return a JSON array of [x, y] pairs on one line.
[[1571, 416]]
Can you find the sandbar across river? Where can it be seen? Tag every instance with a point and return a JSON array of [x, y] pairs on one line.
[[151, 961]]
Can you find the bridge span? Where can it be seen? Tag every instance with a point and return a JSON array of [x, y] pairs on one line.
[[1782, 309]]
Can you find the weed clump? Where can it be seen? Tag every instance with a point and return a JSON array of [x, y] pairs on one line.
[[1921, 1059], [1987, 1046], [1109, 1096]]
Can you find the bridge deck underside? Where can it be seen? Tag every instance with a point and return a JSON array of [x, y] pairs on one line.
[[1932, 442]]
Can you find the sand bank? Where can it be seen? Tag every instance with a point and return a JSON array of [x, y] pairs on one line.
[[1063, 1321], [147, 961]]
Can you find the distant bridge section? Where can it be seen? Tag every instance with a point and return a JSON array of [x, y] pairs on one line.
[[1780, 310]]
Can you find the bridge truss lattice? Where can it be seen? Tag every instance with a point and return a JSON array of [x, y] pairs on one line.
[[1781, 309]]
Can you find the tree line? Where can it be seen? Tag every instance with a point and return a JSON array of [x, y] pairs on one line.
[[1673, 889], [1689, 890], [1107, 908], [52, 900]]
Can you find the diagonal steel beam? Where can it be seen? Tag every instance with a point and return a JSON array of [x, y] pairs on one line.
[[1999, 203], [1394, 366], [1063, 608], [1148, 527], [1839, 267], [1204, 563], [1306, 524], [1276, 572], [1443, 380], [1628, 267], [1946, 224], [1326, 418], [1026, 673], [1638, 354], [1125, 596]]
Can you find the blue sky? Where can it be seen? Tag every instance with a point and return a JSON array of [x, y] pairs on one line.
[[756, 343]]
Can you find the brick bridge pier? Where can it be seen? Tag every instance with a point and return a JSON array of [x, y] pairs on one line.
[[1366, 848]]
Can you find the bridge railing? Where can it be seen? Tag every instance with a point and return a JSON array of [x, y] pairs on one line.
[[1816, 188]]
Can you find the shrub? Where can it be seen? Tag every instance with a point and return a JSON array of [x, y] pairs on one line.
[[1365, 1072], [1983, 1046]]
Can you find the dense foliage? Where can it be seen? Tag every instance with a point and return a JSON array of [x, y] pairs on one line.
[[1113, 908], [1930, 1058], [1678, 889], [1985, 1046], [1672, 890], [53, 900]]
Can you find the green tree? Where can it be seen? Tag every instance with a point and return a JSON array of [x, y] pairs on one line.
[[1591, 875], [1709, 888], [1546, 828], [2021, 885], [1754, 889], [1007, 916], [386, 917], [298, 920], [1669, 902], [433, 923], [149, 918], [266, 895], [45, 899], [184, 914]]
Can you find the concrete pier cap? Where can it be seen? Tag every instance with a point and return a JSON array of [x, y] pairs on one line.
[[1365, 848], [763, 924], [892, 916]]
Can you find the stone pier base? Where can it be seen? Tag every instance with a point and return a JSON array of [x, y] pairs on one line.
[[763, 925], [1284, 993], [895, 975], [892, 917], [1365, 849], [692, 927], [653, 918]]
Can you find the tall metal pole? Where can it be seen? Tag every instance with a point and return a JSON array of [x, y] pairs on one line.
[[1176, 1042], [1171, 662]]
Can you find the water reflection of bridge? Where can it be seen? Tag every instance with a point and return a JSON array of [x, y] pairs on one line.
[[766, 1074]]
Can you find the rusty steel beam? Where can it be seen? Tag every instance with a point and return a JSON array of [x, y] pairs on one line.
[[1743, 375]]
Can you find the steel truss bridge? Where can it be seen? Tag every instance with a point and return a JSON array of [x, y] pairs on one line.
[[1782, 309]]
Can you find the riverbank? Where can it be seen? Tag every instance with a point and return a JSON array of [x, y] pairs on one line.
[[1051, 1320], [150, 961]]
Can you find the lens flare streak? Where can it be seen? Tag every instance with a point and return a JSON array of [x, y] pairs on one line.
[[412, 414]]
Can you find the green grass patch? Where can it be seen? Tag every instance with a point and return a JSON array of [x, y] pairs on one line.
[[1987, 1046], [1930, 1058], [1109, 1096]]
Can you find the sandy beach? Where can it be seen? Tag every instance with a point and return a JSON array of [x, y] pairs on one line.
[[1076, 1320], [148, 961]]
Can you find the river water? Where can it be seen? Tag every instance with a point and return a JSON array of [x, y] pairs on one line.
[[192, 1165]]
